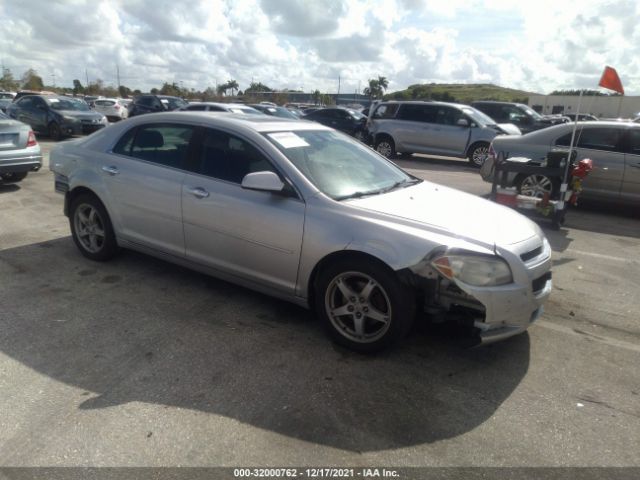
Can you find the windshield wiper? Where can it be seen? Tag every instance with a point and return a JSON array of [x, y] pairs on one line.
[[401, 183], [358, 194]]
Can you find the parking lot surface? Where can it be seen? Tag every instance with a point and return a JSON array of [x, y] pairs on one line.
[[138, 362]]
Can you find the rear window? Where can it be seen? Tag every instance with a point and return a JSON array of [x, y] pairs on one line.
[[105, 103]]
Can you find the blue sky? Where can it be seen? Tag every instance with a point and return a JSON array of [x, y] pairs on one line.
[[536, 46]]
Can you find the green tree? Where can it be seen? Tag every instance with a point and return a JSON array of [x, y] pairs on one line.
[[124, 92], [31, 80], [7, 82], [95, 88], [257, 88], [77, 87], [317, 96], [170, 89], [232, 85], [222, 89]]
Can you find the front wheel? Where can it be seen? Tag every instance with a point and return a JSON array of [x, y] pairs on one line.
[[478, 154], [363, 305], [386, 147], [91, 228]]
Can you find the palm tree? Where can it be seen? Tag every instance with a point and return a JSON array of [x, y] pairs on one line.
[[383, 83], [232, 85]]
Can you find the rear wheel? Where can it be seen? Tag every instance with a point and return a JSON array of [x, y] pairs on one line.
[[536, 185], [91, 228], [478, 154], [54, 131], [386, 147], [13, 177], [363, 305]]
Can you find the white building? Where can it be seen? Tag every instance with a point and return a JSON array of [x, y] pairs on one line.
[[602, 107]]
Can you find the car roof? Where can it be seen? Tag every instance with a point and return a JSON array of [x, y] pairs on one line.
[[257, 123], [423, 102], [222, 104]]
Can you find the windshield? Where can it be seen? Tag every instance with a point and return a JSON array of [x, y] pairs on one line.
[[3, 116], [171, 103], [478, 117], [67, 104], [245, 110], [338, 165], [356, 115], [531, 112]]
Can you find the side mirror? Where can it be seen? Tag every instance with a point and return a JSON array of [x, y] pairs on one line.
[[263, 181], [462, 122]]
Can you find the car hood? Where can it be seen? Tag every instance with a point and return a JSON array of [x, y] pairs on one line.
[[80, 115], [509, 129], [462, 215]]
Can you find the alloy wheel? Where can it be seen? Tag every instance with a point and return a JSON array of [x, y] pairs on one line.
[[89, 228], [479, 155], [384, 148], [536, 186], [358, 307]]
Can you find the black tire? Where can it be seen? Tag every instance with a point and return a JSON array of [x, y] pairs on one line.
[[535, 185], [13, 177], [54, 131], [384, 316], [386, 147], [478, 154], [106, 246]]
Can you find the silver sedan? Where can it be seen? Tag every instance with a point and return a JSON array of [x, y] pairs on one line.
[[19, 150], [614, 148], [304, 213]]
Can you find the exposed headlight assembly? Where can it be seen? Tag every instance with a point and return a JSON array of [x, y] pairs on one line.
[[477, 270], [69, 119]]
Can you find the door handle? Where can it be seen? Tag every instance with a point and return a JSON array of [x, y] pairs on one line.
[[198, 192], [111, 170]]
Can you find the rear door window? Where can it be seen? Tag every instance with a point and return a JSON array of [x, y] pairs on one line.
[[162, 144], [634, 141], [418, 113], [601, 138]]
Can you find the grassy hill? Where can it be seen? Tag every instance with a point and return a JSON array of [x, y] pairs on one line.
[[461, 93]]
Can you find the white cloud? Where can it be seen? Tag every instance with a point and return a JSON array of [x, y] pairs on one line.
[[535, 46]]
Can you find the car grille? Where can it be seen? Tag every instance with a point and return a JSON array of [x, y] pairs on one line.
[[538, 284], [531, 254]]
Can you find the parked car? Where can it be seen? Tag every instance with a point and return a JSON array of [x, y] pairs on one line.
[[274, 111], [24, 93], [115, 109], [614, 148], [346, 120], [522, 116], [220, 107], [582, 117], [436, 128], [19, 150], [304, 213], [155, 103], [5, 99], [56, 116]]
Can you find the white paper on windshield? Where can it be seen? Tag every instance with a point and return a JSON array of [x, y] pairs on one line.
[[288, 139], [164, 100], [53, 100]]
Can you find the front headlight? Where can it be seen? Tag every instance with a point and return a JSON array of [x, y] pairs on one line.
[[477, 270], [103, 120], [69, 119]]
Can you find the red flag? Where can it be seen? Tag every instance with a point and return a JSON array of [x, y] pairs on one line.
[[611, 80]]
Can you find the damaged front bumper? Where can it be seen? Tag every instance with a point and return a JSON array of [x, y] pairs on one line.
[[494, 312]]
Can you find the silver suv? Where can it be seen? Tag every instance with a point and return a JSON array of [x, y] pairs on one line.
[[435, 128]]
